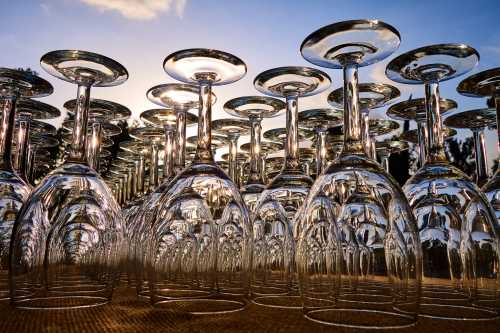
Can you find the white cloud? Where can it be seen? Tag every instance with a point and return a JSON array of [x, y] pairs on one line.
[[139, 9]]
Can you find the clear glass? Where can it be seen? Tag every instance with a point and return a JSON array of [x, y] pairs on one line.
[[197, 245], [67, 240], [457, 229], [14, 190], [457, 225], [358, 253], [274, 280]]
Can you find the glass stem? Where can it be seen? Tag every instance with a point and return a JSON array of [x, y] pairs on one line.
[[21, 157], [385, 162], [365, 132], [352, 132], [121, 191], [77, 150], [30, 163], [497, 106], [180, 160], [255, 176], [422, 142], [6, 132], [130, 183], [135, 189], [320, 150], [140, 177], [204, 148], [434, 123], [480, 154], [292, 135], [94, 146], [263, 175], [153, 168], [168, 161], [233, 155]]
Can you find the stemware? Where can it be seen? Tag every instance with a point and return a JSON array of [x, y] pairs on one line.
[[232, 129], [475, 120], [37, 146], [414, 109], [199, 237], [255, 108], [266, 148], [487, 84], [387, 147], [358, 253], [273, 274], [320, 120], [457, 225], [370, 96], [181, 98], [27, 110], [152, 136], [66, 241], [14, 190]]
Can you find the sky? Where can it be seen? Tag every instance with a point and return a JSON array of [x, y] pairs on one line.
[[265, 34]]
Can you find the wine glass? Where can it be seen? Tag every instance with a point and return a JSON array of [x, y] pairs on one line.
[[232, 129], [320, 120], [387, 147], [456, 223], [198, 247], [487, 84], [273, 282], [38, 145], [266, 148], [152, 136], [14, 190], [27, 110], [475, 120], [66, 241], [255, 108], [371, 96], [414, 109], [100, 111], [358, 253], [181, 98]]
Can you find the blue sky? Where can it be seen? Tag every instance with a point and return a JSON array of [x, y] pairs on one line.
[[265, 34]]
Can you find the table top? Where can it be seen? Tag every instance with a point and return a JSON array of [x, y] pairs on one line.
[[127, 313]]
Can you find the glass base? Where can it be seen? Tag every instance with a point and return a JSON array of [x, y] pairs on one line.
[[202, 306], [61, 302], [455, 312], [361, 319], [279, 301]]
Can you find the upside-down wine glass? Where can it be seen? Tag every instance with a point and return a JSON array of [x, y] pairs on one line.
[[199, 237], [487, 84], [13, 189], [274, 281], [414, 109], [371, 96], [457, 226], [476, 120], [358, 253], [66, 241], [255, 108]]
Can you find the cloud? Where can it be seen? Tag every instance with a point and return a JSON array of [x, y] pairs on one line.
[[139, 9]]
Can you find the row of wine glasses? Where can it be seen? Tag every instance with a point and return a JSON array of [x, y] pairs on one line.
[[326, 229]]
